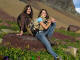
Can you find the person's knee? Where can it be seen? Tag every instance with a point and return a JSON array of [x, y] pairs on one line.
[[54, 23]]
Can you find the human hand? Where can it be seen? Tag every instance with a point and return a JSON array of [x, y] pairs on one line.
[[20, 34], [53, 20], [49, 21]]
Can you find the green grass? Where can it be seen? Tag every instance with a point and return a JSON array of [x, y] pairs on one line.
[[1, 21], [14, 54], [14, 25], [3, 27], [68, 33], [17, 53], [2, 35]]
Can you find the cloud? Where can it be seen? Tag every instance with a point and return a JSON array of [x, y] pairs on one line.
[[77, 5], [77, 10]]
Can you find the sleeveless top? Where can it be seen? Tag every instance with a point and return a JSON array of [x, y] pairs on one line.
[[37, 21]]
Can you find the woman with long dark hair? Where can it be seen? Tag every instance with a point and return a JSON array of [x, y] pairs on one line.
[[44, 28], [24, 19]]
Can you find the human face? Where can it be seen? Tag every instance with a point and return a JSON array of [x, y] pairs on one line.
[[28, 10], [43, 14]]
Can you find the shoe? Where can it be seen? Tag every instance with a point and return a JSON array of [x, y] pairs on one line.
[[58, 58]]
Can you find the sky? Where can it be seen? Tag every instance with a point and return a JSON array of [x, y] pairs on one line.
[[77, 5]]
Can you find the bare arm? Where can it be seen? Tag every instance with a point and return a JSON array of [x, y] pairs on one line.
[[51, 20], [44, 25]]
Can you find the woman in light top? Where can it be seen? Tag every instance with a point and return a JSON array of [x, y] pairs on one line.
[[44, 28]]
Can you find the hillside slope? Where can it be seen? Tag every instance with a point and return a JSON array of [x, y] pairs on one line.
[[62, 19], [12, 7], [15, 7]]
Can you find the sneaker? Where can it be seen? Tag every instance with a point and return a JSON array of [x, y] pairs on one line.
[[58, 58]]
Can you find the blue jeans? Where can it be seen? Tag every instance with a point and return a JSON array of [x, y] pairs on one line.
[[42, 36]]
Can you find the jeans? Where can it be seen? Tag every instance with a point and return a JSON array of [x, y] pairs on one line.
[[42, 36]]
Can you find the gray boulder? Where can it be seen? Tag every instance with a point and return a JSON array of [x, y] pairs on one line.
[[73, 28], [71, 50]]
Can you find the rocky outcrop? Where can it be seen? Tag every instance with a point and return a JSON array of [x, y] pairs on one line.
[[26, 41], [73, 28], [60, 4], [31, 43]]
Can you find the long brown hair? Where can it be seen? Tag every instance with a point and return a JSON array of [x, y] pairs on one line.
[[47, 16], [26, 8]]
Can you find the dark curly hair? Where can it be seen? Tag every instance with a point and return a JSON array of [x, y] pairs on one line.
[[47, 16], [26, 8]]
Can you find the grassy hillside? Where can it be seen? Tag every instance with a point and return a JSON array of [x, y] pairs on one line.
[[15, 7], [60, 48]]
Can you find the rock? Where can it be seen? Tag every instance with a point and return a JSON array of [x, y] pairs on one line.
[[73, 28], [62, 5], [25, 41], [8, 31], [71, 50]]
